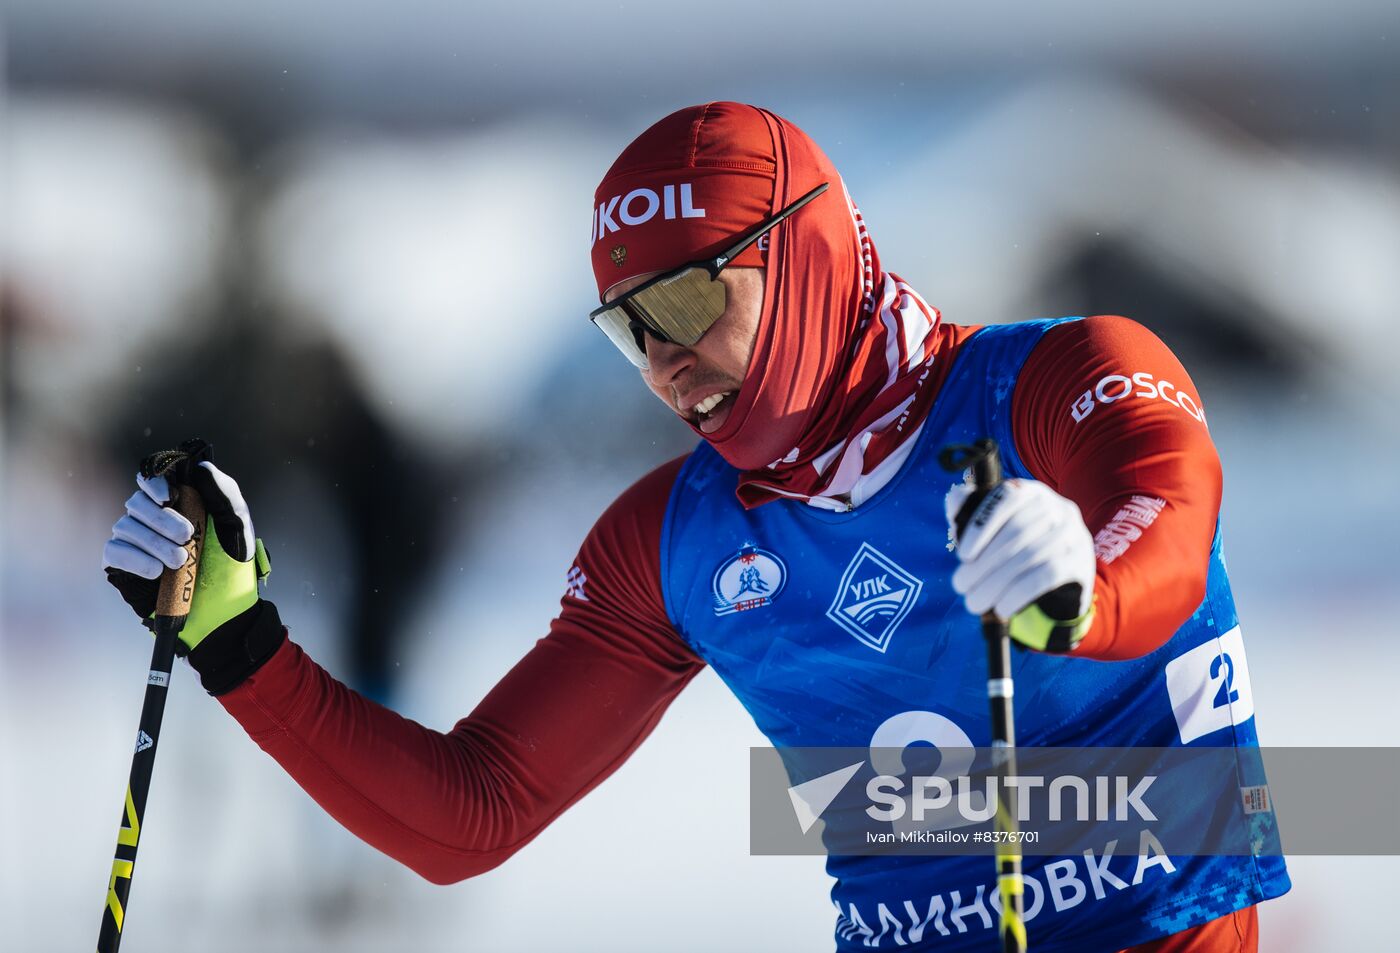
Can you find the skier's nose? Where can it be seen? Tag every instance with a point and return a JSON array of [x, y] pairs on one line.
[[668, 362]]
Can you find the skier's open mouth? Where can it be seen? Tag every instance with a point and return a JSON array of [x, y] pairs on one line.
[[711, 412]]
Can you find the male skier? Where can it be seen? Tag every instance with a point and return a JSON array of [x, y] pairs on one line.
[[801, 550]]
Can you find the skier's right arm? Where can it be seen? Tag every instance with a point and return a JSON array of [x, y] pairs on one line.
[[455, 804]]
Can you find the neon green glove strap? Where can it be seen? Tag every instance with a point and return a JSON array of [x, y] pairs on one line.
[[223, 588], [1035, 630]]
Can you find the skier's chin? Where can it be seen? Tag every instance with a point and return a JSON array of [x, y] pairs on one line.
[[747, 443]]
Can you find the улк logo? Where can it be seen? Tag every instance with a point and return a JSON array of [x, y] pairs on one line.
[[750, 578], [874, 596]]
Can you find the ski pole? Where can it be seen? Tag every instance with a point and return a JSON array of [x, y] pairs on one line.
[[172, 608], [985, 463]]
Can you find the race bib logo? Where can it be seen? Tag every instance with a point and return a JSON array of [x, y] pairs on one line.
[[749, 579], [873, 598]]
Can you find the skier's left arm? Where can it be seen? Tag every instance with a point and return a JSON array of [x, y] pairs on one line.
[[1125, 498]]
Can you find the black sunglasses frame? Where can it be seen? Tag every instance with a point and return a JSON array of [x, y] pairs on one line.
[[712, 265]]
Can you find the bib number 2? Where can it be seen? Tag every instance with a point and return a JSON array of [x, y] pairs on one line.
[[1227, 693], [1208, 686]]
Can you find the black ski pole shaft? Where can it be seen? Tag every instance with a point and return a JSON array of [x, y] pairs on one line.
[[172, 607], [984, 461]]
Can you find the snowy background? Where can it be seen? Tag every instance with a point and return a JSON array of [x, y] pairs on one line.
[[348, 248]]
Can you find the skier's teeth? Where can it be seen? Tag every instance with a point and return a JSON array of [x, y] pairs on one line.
[[709, 403]]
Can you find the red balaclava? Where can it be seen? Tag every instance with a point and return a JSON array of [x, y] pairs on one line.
[[834, 385]]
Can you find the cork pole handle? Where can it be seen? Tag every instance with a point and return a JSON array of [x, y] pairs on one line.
[[177, 585]]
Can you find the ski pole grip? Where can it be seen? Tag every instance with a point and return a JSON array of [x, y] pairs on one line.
[[982, 458], [177, 585], [984, 462]]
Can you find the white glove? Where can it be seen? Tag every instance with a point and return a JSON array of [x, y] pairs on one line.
[[1023, 542], [150, 538]]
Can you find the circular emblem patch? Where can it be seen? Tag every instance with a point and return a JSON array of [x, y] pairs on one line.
[[749, 579]]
